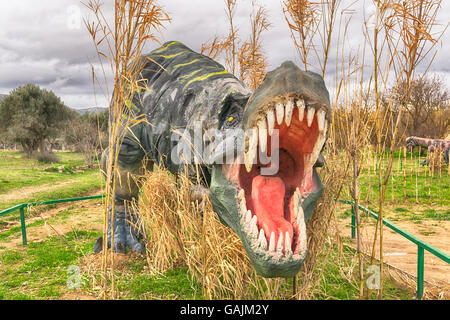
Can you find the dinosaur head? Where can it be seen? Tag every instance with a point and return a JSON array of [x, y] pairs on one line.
[[410, 142], [270, 189]]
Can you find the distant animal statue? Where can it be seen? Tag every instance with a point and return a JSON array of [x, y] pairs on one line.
[[265, 202], [431, 145]]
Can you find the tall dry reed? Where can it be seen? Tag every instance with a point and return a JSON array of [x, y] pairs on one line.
[[119, 43]]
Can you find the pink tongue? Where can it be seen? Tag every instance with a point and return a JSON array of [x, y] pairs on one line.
[[268, 203]]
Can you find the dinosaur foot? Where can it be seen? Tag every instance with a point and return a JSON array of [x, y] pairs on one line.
[[120, 247], [126, 235]]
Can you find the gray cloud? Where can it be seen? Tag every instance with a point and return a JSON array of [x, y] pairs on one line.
[[46, 43]]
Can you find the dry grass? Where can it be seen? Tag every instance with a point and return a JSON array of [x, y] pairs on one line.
[[184, 232], [247, 59]]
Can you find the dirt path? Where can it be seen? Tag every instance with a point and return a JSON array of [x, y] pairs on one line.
[[28, 192], [401, 253]]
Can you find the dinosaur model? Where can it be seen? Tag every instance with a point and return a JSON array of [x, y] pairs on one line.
[[268, 187], [430, 144]]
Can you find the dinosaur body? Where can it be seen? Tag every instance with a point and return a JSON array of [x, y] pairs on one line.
[[257, 151], [430, 144]]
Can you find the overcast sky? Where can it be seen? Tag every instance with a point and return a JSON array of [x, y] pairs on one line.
[[45, 42]]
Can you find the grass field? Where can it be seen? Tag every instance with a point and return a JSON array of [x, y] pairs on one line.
[[25, 180], [407, 179], [61, 239]]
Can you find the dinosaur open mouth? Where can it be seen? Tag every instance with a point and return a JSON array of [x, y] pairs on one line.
[[270, 201]]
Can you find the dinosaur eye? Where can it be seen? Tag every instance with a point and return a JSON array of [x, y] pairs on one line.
[[231, 120]]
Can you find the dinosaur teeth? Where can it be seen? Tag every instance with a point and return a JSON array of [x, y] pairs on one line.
[[319, 143], [289, 110], [310, 115], [321, 119], [272, 242], [248, 217], [280, 244], [262, 130], [270, 121], [253, 227], [262, 241], [297, 200], [287, 244], [251, 153], [302, 237], [280, 113], [301, 109], [242, 207]]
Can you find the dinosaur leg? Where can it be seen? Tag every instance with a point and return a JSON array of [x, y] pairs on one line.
[[127, 233]]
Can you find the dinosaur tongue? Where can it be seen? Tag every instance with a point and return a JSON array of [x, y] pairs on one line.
[[268, 202]]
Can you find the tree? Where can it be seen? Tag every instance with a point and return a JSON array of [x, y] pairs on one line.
[[30, 115], [427, 112], [88, 134]]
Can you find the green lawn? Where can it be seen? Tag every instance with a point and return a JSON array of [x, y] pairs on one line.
[[28, 180], [432, 187]]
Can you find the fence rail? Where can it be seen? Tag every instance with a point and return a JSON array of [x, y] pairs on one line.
[[21, 208], [421, 245]]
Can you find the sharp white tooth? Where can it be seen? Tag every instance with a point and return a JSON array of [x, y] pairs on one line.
[[254, 227], [297, 197], [243, 207], [321, 119], [248, 217], [280, 113], [270, 121], [302, 238], [318, 145], [287, 244], [262, 130], [250, 155], [272, 242], [310, 115], [289, 110], [262, 241], [301, 109], [280, 243], [241, 194]]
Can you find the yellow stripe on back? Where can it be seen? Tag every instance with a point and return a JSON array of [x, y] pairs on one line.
[[184, 64], [166, 47], [187, 76], [204, 77], [172, 55]]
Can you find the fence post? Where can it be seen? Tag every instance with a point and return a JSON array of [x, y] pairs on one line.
[[420, 267], [353, 222], [22, 223]]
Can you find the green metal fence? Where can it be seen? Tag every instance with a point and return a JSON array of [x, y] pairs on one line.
[[421, 245], [21, 208]]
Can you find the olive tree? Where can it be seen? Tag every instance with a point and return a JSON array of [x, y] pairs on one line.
[[30, 115]]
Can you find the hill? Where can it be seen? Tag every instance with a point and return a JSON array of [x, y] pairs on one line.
[[91, 110]]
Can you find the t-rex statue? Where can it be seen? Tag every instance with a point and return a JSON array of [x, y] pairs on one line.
[[430, 144], [273, 138]]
